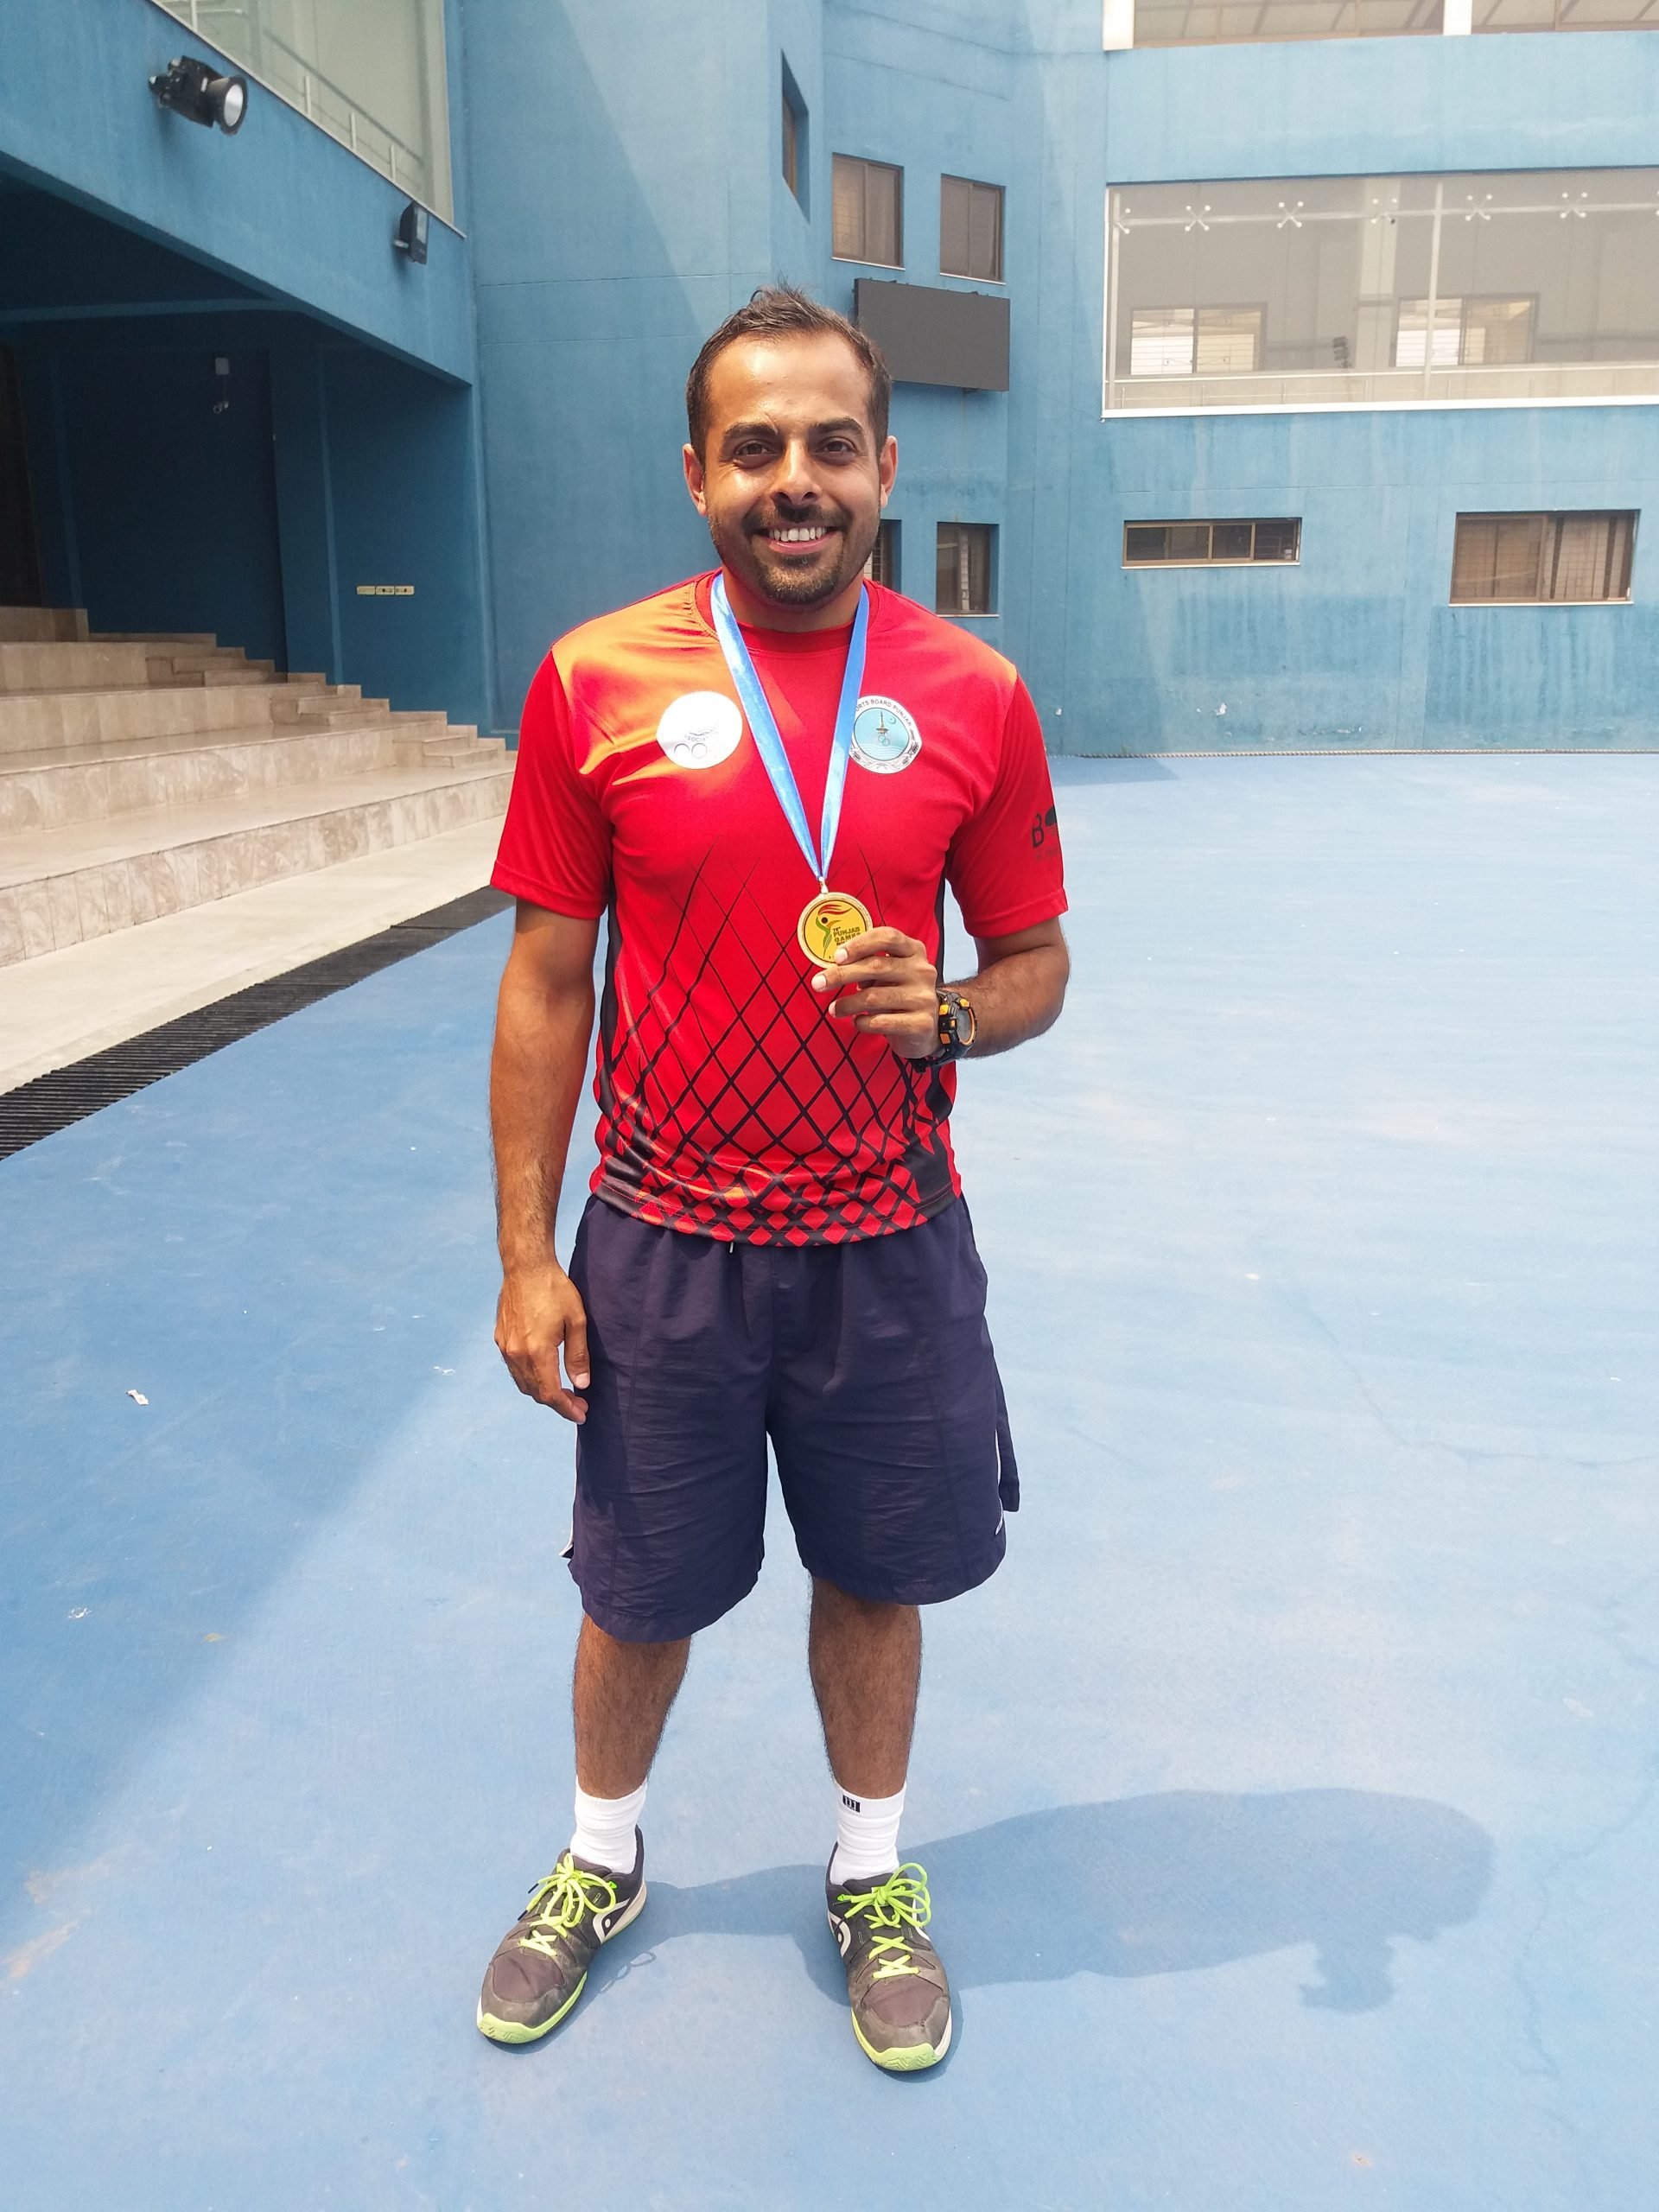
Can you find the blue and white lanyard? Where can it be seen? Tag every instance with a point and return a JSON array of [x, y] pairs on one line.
[[770, 746]]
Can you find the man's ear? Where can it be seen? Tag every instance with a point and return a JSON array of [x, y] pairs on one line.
[[692, 466]]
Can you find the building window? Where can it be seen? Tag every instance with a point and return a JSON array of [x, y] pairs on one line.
[[964, 578], [970, 229], [1224, 22], [373, 78], [1195, 342], [1532, 559], [1467, 333], [1321, 291], [1182, 544], [794, 119], [882, 567], [869, 220]]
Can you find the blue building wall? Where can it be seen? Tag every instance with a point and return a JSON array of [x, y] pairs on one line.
[[1357, 645], [136, 250], [502, 428]]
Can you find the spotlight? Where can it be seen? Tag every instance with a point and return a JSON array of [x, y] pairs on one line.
[[410, 237], [193, 90]]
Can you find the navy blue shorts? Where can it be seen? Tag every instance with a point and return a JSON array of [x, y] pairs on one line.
[[867, 1365]]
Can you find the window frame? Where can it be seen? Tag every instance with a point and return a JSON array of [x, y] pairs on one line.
[[866, 164], [888, 552], [1213, 523], [1000, 192], [793, 120], [1601, 372], [987, 613], [1548, 516]]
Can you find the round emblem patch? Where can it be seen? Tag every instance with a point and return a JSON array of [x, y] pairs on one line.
[[885, 736], [700, 729]]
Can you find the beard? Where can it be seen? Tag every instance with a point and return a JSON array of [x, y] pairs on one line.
[[796, 583]]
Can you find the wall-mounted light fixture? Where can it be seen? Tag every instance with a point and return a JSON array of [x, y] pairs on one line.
[[195, 90], [410, 237]]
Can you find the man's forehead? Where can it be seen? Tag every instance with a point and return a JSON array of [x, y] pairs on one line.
[[812, 379]]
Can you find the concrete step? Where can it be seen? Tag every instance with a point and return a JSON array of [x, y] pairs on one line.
[[72, 784], [194, 640], [42, 625], [220, 666], [70, 667], [63, 886], [42, 722]]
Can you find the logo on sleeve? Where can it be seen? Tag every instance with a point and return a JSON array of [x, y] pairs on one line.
[[885, 736], [700, 729]]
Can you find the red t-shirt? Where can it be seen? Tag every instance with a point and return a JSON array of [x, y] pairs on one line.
[[731, 1104]]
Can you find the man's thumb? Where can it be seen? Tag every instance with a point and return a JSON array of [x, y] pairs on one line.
[[576, 1354]]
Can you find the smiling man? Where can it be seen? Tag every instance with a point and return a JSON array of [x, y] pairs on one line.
[[765, 777]]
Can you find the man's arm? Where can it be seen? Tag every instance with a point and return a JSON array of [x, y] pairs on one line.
[[544, 1019], [886, 984]]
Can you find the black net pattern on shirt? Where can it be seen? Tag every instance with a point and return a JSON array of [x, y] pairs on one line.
[[726, 1084]]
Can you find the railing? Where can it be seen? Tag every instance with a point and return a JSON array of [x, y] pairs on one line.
[[1363, 388], [242, 32]]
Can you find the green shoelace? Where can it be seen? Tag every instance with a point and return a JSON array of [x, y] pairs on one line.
[[558, 1903], [898, 1902]]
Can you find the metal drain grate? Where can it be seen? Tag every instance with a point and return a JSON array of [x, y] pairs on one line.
[[51, 1101]]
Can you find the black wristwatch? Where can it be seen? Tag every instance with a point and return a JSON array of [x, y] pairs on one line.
[[959, 1027]]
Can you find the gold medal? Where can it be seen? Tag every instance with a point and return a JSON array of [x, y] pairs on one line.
[[828, 922]]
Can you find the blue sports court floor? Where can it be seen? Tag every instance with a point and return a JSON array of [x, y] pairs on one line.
[[1290, 1796]]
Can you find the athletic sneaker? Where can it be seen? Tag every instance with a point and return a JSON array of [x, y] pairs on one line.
[[896, 1983], [541, 1963]]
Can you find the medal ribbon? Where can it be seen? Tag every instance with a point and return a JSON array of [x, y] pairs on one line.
[[770, 746]]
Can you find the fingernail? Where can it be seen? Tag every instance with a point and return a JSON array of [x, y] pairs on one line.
[[841, 952], [581, 1381], [820, 982]]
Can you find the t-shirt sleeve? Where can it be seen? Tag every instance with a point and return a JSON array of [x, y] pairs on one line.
[[555, 844], [1004, 863]]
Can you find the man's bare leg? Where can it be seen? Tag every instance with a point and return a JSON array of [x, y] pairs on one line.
[[866, 1662], [620, 1699]]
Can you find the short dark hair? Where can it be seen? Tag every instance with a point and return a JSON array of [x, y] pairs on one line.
[[782, 311]]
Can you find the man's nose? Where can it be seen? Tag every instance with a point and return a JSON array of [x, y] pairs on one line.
[[796, 479]]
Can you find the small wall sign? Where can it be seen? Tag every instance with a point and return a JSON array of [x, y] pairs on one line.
[[386, 591]]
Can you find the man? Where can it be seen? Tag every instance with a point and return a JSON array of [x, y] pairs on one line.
[[765, 777]]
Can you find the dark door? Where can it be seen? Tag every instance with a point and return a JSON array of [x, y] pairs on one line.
[[20, 550], [175, 491]]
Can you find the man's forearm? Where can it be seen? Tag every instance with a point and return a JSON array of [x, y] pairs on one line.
[[1015, 998], [535, 1078]]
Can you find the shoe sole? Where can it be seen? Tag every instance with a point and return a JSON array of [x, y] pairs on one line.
[[520, 2031], [909, 2058]]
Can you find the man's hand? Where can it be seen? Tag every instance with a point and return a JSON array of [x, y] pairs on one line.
[[886, 984], [539, 1312]]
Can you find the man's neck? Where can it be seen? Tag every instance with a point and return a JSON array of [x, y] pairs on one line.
[[756, 614]]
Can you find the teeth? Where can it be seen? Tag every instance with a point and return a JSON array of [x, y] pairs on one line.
[[799, 536]]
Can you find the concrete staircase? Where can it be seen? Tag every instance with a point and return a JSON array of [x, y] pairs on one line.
[[143, 775]]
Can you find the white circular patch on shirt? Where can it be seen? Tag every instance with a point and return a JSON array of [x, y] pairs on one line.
[[885, 736], [700, 729]]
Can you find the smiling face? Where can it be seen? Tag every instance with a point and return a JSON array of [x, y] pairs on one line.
[[791, 480]]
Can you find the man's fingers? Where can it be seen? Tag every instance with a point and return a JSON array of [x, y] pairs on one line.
[[576, 1350], [893, 997], [879, 940]]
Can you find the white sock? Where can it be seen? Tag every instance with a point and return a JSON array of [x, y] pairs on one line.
[[605, 1828], [867, 1835]]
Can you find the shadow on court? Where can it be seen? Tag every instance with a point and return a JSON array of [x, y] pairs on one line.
[[1144, 1885]]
